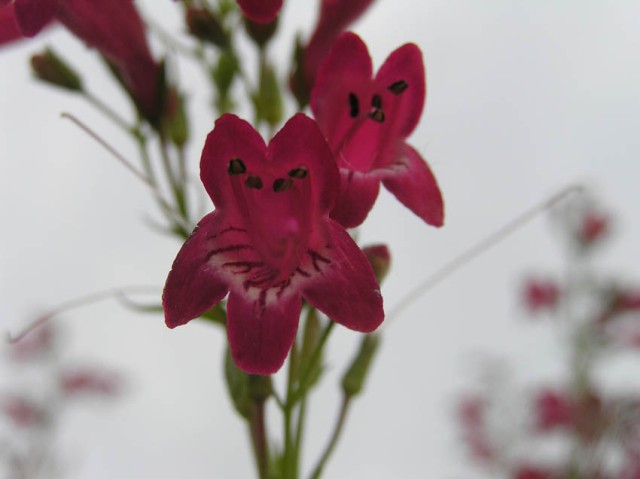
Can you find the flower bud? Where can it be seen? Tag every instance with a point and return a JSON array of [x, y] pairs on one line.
[[50, 68], [354, 378], [261, 33], [380, 259], [205, 26], [268, 100]]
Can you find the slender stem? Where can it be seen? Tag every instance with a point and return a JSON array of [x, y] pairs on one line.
[[305, 376], [289, 460], [300, 430], [477, 249], [344, 408], [259, 441], [108, 112]]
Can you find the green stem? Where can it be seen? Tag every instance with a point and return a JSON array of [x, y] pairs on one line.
[[109, 112], [305, 376], [259, 441], [344, 408], [289, 459]]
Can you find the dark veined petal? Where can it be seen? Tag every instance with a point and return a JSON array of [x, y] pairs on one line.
[[261, 330], [345, 289], [402, 74], [358, 193], [413, 183], [33, 15], [194, 285], [260, 11]]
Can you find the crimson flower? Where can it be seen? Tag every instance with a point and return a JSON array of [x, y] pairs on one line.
[[269, 243], [260, 11], [90, 382], [113, 27], [366, 121]]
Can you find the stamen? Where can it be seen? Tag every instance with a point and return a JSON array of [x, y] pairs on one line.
[[398, 87], [236, 167], [254, 182], [298, 173], [377, 116], [354, 105], [376, 102], [282, 184]]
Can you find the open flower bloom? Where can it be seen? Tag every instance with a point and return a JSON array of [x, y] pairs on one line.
[[366, 121], [113, 27], [260, 11], [269, 243]]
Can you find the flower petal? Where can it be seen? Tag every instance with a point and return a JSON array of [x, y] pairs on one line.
[[358, 193], [260, 11], [261, 332], [413, 183], [300, 141], [33, 15], [345, 289], [403, 75], [344, 71], [335, 16], [194, 285], [230, 138], [9, 30]]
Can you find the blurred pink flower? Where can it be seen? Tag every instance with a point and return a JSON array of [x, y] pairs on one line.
[[260, 11], [21, 411], [83, 381], [540, 294]]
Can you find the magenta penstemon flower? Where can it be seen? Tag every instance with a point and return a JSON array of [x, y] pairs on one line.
[[260, 11], [270, 243], [366, 121]]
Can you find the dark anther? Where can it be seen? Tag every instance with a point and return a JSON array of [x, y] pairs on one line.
[[377, 116], [376, 102], [282, 184], [298, 173], [398, 87], [354, 105], [236, 166], [254, 182]]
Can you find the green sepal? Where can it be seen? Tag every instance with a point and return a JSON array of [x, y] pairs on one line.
[[52, 69], [268, 99], [354, 378]]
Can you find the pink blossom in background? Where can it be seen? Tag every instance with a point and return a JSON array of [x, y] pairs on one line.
[[593, 227], [84, 381], [540, 294], [22, 412], [269, 243], [34, 345], [553, 409], [366, 120]]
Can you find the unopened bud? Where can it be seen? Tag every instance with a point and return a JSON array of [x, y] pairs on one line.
[[50, 68], [261, 33], [380, 259], [177, 123], [205, 26], [268, 100], [354, 378]]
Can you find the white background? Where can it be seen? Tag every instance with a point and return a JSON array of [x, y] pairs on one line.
[[524, 98]]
